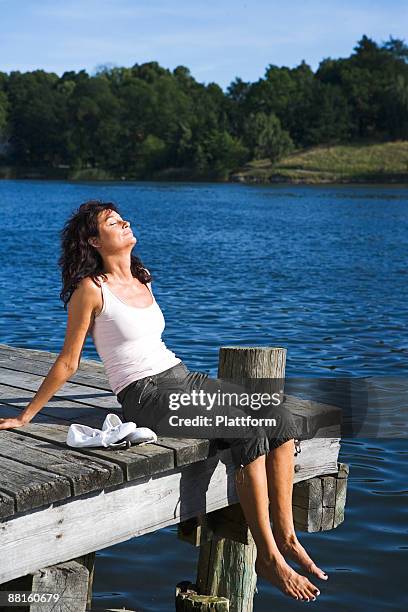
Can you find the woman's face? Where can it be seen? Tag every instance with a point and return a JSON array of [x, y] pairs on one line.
[[114, 233]]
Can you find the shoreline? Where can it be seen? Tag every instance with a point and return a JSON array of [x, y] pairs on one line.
[[386, 179], [278, 179], [358, 163]]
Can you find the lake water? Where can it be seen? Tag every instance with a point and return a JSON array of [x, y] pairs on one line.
[[320, 270]]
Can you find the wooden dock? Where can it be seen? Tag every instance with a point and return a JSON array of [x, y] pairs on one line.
[[58, 504]]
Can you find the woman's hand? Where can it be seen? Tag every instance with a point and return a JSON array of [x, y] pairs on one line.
[[11, 423]]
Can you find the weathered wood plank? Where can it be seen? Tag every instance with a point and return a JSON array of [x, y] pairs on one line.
[[88, 376], [84, 473], [31, 487], [307, 520], [46, 356], [6, 411], [57, 407], [308, 494], [7, 505], [78, 393], [308, 463], [327, 518], [187, 450], [316, 417], [329, 492], [318, 455], [135, 462], [341, 492], [183, 450]]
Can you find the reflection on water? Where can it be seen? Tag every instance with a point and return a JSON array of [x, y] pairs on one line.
[[318, 270]]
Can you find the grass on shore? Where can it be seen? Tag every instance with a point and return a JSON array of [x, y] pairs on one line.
[[386, 162], [352, 163]]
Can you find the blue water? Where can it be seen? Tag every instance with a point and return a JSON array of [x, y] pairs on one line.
[[320, 270]]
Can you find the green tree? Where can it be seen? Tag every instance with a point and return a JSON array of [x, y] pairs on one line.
[[3, 114], [94, 114], [397, 48], [266, 138], [225, 153], [395, 103], [329, 117], [151, 156], [34, 117]]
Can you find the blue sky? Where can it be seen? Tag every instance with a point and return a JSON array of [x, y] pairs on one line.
[[216, 39]]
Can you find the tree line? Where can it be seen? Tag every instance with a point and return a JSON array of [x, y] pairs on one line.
[[143, 120]]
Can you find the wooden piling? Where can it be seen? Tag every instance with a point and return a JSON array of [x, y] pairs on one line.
[[72, 580], [226, 565]]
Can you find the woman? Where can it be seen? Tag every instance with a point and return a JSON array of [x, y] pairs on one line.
[[108, 294]]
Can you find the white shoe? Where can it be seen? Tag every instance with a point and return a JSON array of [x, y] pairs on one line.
[[113, 430], [114, 434], [142, 435], [137, 435]]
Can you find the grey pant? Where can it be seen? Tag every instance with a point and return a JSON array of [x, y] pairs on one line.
[[146, 402]]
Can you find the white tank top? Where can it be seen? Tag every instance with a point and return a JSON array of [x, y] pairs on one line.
[[128, 340]]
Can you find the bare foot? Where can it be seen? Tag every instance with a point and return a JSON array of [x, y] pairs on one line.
[[279, 573], [291, 548]]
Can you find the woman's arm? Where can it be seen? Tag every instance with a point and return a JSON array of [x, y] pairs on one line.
[[83, 303]]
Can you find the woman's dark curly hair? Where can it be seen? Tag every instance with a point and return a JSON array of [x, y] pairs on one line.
[[80, 259]]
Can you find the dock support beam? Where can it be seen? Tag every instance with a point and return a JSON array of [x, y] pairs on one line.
[[71, 579], [318, 503]]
